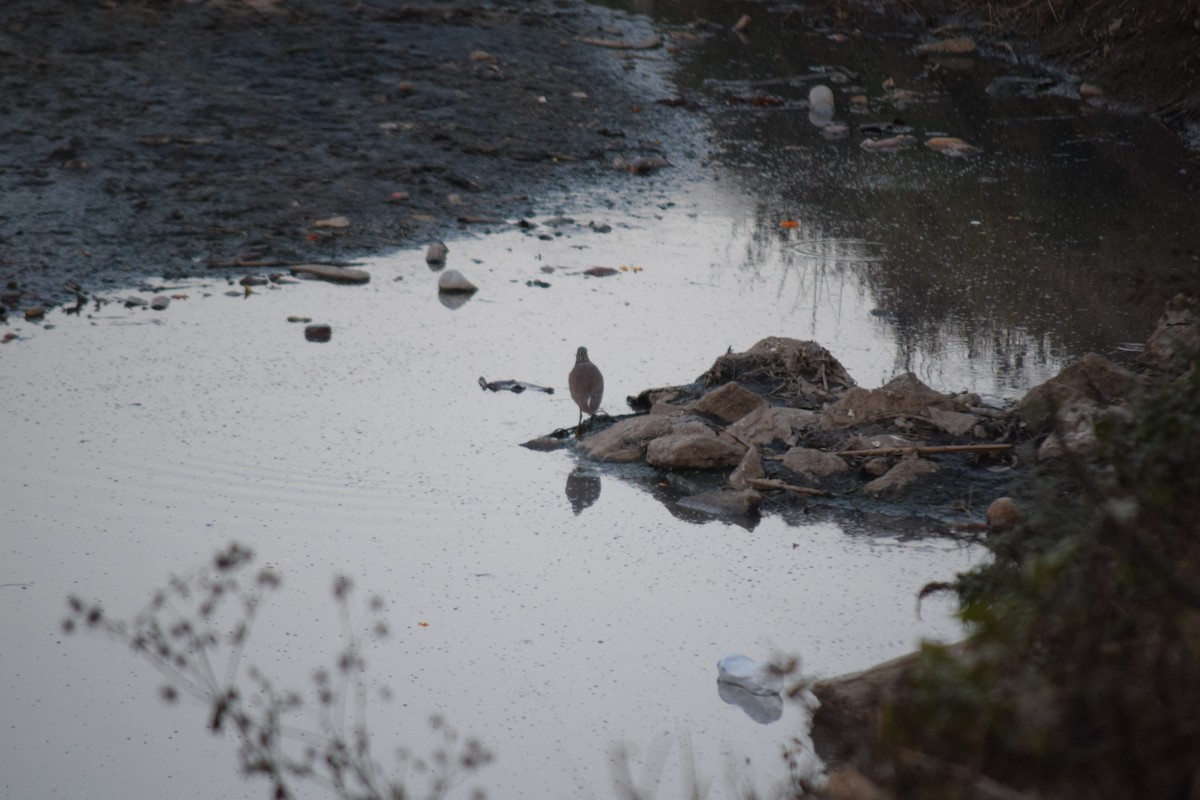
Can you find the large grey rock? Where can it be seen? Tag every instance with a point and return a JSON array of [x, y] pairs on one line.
[[767, 424], [900, 477], [813, 464], [1074, 429], [1093, 378], [626, 440], [724, 502], [904, 394], [748, 469], [694, 450], [729, 403], [955, 423], [454, 282]]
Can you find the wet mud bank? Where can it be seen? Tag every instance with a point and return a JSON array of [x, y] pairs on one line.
[[174, 138]]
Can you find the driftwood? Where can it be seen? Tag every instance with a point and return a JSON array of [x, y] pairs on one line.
[[774, 483], [926, 451], [618, 44], [516, 387]]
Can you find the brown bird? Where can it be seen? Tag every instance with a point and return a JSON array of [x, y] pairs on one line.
[[587, 386]]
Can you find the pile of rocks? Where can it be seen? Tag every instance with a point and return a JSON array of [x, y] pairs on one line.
[[785, 417]]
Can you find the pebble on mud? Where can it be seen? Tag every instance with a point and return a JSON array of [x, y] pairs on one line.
[[454, 282], [160, 302], [436, 254], [958, 46], [318, 333], [326, 272]]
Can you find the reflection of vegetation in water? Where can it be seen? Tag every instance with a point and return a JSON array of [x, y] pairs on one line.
[[1083, 674], [1065, 236], [195, 631]]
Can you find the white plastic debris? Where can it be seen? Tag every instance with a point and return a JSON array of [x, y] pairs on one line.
[[753, 676]]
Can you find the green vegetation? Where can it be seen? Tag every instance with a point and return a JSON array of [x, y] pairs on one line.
[[1082, 674]]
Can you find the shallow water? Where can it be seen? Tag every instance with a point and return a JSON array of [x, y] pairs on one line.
[[552, 609]]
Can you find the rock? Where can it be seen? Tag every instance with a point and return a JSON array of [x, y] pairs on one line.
[[1177, 332], [813, 464], [951, 146], [254, 280], [1003, 514], [724, 502], [1074, 430], [454, 282], [904, 394], [729, 403], [768, 424], [1090, 90], [648, 398], [850, 704], [626, 440], [334, 274], [664, 407], [544, 444], [876, 467], [899, 477], [134, 300], [318, 333], [891, 144], [160, 302], [436, 253], [337, 222], [820, 100], [748, 469], [35, 313], [958, 46], [694, 450], [1092, 377], [955, 423], [299, 319]]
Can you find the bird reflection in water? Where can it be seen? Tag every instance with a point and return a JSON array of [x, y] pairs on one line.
[[583, 488]]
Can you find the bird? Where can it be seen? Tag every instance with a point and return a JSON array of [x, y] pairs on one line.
[[587, 386]]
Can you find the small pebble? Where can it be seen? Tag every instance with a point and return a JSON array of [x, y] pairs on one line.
[[318, 333]]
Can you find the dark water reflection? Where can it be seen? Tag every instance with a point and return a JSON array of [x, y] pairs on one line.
[[1066, 234]]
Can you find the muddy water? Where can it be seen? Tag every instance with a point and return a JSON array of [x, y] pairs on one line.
[[553, 610]]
